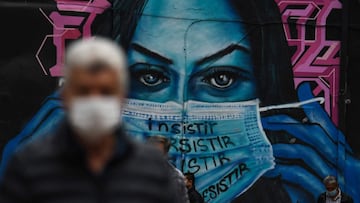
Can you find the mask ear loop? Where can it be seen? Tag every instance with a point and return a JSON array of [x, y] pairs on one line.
[[321, 100]]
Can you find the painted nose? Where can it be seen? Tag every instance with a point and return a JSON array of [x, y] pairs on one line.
[[179, 90]]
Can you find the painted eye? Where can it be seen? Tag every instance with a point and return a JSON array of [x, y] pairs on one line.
[[221, 79], [150, 79], [150, 76]]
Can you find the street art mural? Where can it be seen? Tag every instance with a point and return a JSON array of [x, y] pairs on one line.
[[247, 91]]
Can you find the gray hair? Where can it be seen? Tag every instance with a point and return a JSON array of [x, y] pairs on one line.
[[84, 53], [329, 180]]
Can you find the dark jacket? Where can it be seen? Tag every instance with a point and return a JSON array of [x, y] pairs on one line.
[[345, 198], [194, 196], [269, 190], [52, 169], [181, 194]]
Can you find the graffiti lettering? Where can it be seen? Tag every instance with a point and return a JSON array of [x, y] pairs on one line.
[[210, 144], [214, 190], [203, 128], [71, 26], [206, 163]]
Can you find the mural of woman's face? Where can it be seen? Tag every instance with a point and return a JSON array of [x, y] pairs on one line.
[[193, 81], [180, 51]]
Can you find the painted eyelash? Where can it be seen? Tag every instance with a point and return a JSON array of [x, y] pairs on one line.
[[148, 70], [231, 70]]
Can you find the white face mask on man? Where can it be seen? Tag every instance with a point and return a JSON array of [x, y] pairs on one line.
[[332, 193], [95, 116]]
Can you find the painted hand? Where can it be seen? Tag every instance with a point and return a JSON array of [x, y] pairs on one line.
[[320, 150]]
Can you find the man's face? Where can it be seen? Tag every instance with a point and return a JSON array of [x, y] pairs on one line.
[[190, 56], [83, 82], [331, 186], [188, 183]]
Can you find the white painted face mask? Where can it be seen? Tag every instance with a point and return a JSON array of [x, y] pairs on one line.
[[332, 193], [223, 144], [94, 117]]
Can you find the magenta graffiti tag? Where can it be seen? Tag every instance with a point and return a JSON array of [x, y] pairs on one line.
[[315, 59], [80, 26]]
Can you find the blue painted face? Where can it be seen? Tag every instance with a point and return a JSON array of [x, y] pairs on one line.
[[191, 68], [180, 51]]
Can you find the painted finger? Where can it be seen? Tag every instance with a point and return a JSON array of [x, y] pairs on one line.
[[309, 157], [315, 112], [309, 133], [297, 175]]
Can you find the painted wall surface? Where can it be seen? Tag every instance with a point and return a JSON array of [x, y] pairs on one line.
[[247, 91]]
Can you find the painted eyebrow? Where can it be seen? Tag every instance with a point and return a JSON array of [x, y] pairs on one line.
[[222, 52], [152, 54]]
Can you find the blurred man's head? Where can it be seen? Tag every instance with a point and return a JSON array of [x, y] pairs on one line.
[[189, 180], [160, 142], [95, 86], [331, 185]]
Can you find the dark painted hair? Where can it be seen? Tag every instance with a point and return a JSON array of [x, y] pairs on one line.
[[273, 70]]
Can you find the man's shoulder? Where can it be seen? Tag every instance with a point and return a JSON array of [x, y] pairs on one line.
[[346, 197], [144, 162], [143, 154], [38, 147], [321, 197], [32, 155], [175, 171], [179, 173], [143, 150], [195, 195]]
